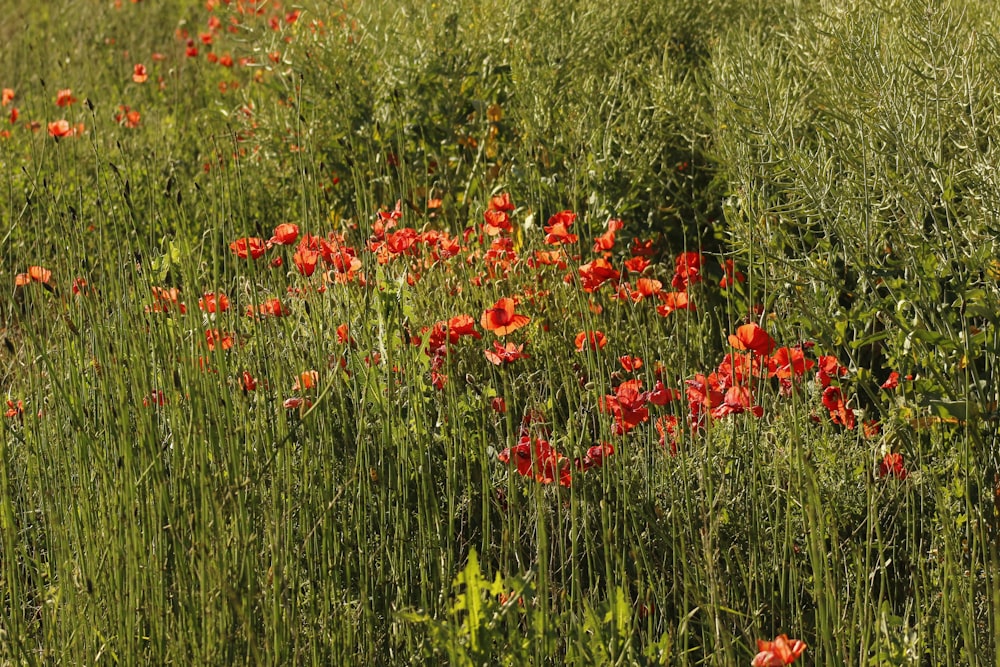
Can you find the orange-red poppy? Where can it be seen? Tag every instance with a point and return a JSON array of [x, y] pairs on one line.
[[501, 319], [64, 98], [248, 247], [285, 234], [60, 128], [7, 97], [892, 466], [593, 339], [37, 274], [139, 73], [752, 337], [781, 651]]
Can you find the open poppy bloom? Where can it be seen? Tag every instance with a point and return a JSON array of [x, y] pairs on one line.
[[752, 337], [285, 234], [505, 354], [781, 651], [7, 97], [139, 74], [64, 98], [673, 301], [501, 318], [248, 247], [595, 340], [557, 231], [833, 400], [496, 221], [892, 466], [214, 303], [35, 274], [59, 129], [536, 458]]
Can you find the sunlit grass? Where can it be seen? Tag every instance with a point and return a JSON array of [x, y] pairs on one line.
[[344, 474]]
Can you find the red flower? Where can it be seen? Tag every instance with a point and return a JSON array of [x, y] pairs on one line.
[[673, 301], [64, 98], [305, 261], [60, 128], [285, 234], [630, 363], [139, 74], [628, 405], [37, 274], [833, 400], [782, 651], [595, 456], [538, 460], [248, 381], [6, 97], [788, 363], [606, 241], [213, 338], [248, 247], [505, 354], [892, 466], [829, 368], [732, 275], [594, 339], [14, 409], [661, 395], [557, 231], [752, 337], [496, 222], [892, 382], [306, 380], [501, 202], [687, 270], [211, 302], [596, 273], [498, 404], [636, 264], [501, 318]]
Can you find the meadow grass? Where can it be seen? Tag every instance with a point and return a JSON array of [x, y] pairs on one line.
[[342, 476]]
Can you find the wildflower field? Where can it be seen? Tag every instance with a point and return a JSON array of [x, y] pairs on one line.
[[499, 332]]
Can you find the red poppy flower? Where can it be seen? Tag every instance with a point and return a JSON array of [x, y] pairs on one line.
[[285, 234], [505, 354], [892, 382], [829, 368], [732, 275], [593, 339], [788, 363], [248, 381], [6, 97], [630, 363], [673, 301], [306, 380], [833, 400], [596, 273], [495, 222], [536, 458], [661, 395], [892, 466], [628, 405], [498, 404], [687, 270], [666, 426], [344, 335], [557, 231], [501, 202], [37, 274], [212, 302], [637, 264], [213, 338], [781, 651], [305, 261], [501, 318], [752, 337], [606, 241], [60, 128], [139, 74], [64, 98], [248, 247], [14, 410], [156, 398], [595, 456], [644, 248]]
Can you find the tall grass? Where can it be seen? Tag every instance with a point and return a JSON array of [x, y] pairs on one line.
[[154, 508]]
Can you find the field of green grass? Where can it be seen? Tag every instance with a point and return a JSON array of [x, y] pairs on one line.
[[500, 332]]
